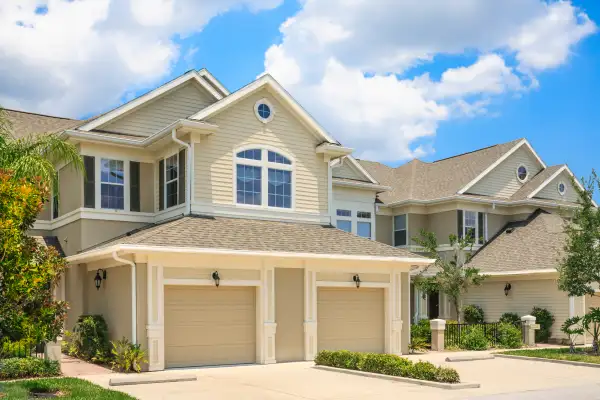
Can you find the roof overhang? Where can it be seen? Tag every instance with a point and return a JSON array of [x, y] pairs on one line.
[[361, 185], [333, 150], [106, 252], [507, 203]]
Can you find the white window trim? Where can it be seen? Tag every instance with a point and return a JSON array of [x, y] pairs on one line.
[[176, 154], [477, 227], [98, 173], [517, 173], [268, 103], [264, 164], [394, 230], [558, 188]]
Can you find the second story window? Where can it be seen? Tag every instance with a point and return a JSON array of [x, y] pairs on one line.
[[257, 168], [112, 184], [472, 224], [400, 230], [344, 220], [172, 180], [363, 228]]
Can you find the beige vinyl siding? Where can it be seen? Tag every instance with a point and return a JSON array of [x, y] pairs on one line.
[[443, 224], [551, 190], [524, 295], [238, 126], [147, 187], [350, 319], [178, 103], [348, 172], [209, 325], [383, 227], [502, 181], [289, 314], [70, 183]]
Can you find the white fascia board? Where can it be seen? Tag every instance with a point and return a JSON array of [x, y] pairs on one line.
[[127, 107], [207, 75], [522, 272], [508, 203], [108, 251], [361, 185], [333, 150], [489, 169], [546, 182], [276, 88]]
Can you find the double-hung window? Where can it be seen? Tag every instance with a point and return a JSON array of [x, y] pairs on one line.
[[344, 220], [400, 230], [472, 224], [263, 178], [172, 180], [363, 228], [112, 184]]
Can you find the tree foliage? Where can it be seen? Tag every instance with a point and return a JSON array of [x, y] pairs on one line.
[[579, 268], [29, 272], [572, 328], [453, 276], [591, 323]]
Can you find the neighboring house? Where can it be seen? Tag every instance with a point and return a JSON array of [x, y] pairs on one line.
[[487, 193], [201, 229]]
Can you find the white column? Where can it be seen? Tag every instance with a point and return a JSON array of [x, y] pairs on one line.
[[155, 329], [310, 315], [394, 314], [269, 327]]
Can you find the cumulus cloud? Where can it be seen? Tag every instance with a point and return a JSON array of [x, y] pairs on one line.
[[79, 57], [352, 63]]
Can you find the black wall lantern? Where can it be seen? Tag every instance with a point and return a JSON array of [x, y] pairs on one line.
[[98, 279], [507, 288], [216, 278], [356, 280]]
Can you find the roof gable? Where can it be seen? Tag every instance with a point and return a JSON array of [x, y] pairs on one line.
[[268, 82], [548, 189], [140, 101], [349, 168]]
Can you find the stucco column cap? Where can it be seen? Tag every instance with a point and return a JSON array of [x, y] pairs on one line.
[[528, 319], [437, 324]]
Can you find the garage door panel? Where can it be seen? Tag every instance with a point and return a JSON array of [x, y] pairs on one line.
[[209, 325], [350, 319]]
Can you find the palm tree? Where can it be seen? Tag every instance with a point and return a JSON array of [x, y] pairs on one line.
[[35, 155]]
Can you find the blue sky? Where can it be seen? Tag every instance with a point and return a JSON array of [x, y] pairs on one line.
[[393, 81]]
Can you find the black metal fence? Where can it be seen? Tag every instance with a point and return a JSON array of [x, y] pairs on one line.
[[21, 349], [454, 333]]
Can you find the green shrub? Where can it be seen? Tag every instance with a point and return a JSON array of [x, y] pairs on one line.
[[510, 318], [90, 336], [509, 336], [417, 344], [387, 364], [474, 339], [127, 357], [14, 368], [422, 329], [447, 375], [546, 320], [473, 314], [21, 348]]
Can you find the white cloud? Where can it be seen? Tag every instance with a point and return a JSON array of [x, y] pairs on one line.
[[350, 62], [81, 56]]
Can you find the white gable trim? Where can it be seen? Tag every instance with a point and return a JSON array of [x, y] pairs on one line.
[[127, 107], [489, 169], [361, 169], [553, 177], [276, 88], [207, 75]]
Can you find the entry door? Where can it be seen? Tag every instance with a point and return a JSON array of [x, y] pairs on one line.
[[433, 306]]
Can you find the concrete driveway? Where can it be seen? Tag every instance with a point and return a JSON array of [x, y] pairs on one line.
[[294, 381]]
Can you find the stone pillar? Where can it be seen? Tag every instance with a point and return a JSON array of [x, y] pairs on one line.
[[438, 328], [529, 329], [52, 350]]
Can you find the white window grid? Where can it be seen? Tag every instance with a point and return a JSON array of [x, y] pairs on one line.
[[171, 166], [114, 166]]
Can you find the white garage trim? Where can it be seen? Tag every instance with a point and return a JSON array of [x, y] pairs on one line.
[[209, 282], [382, 285]]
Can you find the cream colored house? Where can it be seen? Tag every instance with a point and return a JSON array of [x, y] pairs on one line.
[[202, 229], [503, 195]]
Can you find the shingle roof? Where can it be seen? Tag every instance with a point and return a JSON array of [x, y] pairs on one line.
[[535, 182], [534, 244], [256, 235], [418, 180], [50, 241], [26, 123]]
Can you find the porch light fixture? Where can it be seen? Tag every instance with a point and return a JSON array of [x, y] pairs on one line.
[[98, 278], [216, 278], [356, 280], [507, 288]]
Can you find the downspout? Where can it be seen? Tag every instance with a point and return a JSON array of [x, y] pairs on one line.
[[133, 295], [188, 181]]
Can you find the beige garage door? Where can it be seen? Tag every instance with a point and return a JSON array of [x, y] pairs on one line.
[[206, 325], [350, 319]]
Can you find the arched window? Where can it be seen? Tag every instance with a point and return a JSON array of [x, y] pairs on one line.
[[264, 177]]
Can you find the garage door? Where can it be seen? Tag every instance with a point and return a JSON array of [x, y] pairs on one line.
[[206, 325], [350, 319]]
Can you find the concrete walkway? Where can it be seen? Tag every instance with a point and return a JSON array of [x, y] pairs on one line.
[[73, 367]]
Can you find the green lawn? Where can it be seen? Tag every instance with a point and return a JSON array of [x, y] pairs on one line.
[[72, 388], [557, 354]]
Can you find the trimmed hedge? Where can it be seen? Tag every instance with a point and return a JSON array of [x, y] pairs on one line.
[[386, 364], [30, 367]]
